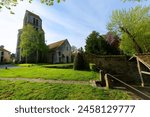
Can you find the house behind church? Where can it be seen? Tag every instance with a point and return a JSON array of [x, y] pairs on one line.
[[5, 55], [59, 52]]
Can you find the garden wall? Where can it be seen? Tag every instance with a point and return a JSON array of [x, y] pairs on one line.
[[117, 65]]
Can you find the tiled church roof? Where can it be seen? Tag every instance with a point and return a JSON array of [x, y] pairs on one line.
[[55, 45]]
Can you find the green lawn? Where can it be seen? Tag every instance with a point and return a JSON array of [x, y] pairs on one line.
[[49, 65], [51, 91], [22, 90], [48, 73], [44, 65]]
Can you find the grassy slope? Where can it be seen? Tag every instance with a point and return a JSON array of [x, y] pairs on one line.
[[44, 91], [48, 73]]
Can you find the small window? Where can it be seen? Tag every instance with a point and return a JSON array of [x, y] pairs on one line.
[[2, 59], [2, 53], [37, 23], [59, 53], [34, 21]]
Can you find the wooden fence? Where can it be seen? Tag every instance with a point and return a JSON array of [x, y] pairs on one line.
[[109, 79]]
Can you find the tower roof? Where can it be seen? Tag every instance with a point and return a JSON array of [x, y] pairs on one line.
[[31, 13]]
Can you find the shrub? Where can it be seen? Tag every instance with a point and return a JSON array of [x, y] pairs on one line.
[[93, 67], [80, 62]]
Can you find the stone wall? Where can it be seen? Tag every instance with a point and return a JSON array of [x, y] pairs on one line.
[[117, 65], [109, 63]]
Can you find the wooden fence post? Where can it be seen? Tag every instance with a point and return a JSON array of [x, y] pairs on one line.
[[139, 69], [102, 78], [109, 81], [106, 81]]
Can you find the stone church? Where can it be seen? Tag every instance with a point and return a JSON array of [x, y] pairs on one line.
[[59, 52]]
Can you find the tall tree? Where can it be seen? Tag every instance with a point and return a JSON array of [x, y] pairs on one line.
[[92, 43], [133, 27], [96, 44], [31, 41], [40, 45], [27, 44]]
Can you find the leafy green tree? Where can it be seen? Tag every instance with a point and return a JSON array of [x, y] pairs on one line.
[[92, 43], [41, 48], [27, 42], [32, 41], [96, 44], [133, 27], [11, 3]]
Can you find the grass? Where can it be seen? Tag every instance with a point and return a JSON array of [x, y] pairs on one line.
[[44, 65], [48, 73], [22, 90], [25, 65], [58, 64]]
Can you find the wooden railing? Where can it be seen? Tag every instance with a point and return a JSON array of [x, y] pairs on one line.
[[109, 84], [139, 60]]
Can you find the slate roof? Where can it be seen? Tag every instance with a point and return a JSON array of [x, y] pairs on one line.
[[56, 45]]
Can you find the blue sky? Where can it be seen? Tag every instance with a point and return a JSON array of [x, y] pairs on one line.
[[73, 20]]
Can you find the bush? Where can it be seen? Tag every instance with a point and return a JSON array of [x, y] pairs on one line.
[[93, 67], [80, 62]]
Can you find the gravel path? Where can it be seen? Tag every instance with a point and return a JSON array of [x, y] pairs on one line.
[[49, 81], [8, 66]]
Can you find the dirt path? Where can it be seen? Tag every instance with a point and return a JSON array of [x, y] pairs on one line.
[[49, 81]]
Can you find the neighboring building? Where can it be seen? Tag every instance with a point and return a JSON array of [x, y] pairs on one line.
[[60, 52], [5, 55], [36, 22]]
